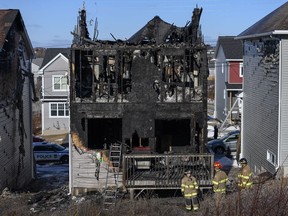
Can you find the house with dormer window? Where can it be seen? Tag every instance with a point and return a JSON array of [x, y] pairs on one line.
[[54, 91]]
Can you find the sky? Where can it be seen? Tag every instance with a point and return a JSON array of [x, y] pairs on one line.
[[49, 23]]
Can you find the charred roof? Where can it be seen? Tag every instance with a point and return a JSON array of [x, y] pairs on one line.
[[155, 32], [7, 19]]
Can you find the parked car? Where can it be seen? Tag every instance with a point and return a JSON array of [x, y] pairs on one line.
[[50, 152], [226, 143], [65, 144], [38, 139]]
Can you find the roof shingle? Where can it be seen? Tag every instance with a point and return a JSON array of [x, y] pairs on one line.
[[276, 20], [232, 48], [7, 17]]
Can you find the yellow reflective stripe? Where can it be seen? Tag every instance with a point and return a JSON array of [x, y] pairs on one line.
[[223, 181], [245, 177], [218, 189], [220, 182], [189, 195]]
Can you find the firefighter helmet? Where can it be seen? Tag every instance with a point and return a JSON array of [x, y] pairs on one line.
[[243, 161], [217, 164]]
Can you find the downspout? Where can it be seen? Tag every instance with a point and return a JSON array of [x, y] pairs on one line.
[[69, 76], [280, 104], [42, 104], [215, 88], [230, 105]]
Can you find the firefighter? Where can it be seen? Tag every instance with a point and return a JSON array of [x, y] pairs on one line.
[[189, 189], [245, 175], [219, 182]]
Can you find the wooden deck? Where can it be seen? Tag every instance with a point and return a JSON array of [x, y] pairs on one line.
[[166, 171]]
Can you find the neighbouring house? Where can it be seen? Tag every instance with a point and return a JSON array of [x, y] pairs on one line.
[[16, 89], [265, 93], [55, 91], [228, 76], [147, 94], [35, 66], [36, 63]]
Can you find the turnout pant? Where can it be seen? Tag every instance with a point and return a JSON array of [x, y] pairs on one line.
[[192, 203]]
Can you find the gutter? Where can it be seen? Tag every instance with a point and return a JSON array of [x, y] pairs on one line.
[[275, 32]]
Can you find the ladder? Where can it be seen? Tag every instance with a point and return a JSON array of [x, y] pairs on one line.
[[229, 114], [113, 166]]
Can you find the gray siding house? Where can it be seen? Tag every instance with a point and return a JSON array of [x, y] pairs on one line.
[[16, 86], [265, 102], [35, 65], [55, 91], [228, 74]]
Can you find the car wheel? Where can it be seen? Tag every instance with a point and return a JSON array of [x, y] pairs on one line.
[[219, 150], [64, 159]]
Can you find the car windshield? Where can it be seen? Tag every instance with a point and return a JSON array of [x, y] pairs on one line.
[[59, 148], [48, 147], [232, 136]]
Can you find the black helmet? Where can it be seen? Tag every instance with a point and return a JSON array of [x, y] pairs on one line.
[[243, 161]]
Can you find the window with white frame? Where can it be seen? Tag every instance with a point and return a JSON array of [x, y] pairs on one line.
[[271, 157], [59, 83], [59, 110], [241, 70]]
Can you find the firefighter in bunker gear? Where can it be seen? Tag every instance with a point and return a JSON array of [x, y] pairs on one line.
[[219, 182], [189, 188], [245, 175]]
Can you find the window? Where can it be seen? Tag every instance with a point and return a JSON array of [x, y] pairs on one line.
[[59, 110], [59, 83], [232, 138], [241, 70], [271, 157]]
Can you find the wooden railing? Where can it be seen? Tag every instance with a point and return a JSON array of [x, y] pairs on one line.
[[165, 170]]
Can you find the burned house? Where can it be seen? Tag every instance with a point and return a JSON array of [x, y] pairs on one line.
[[148, 92]]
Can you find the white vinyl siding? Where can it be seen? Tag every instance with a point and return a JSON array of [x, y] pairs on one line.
[[283, 128], [261, 105]]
